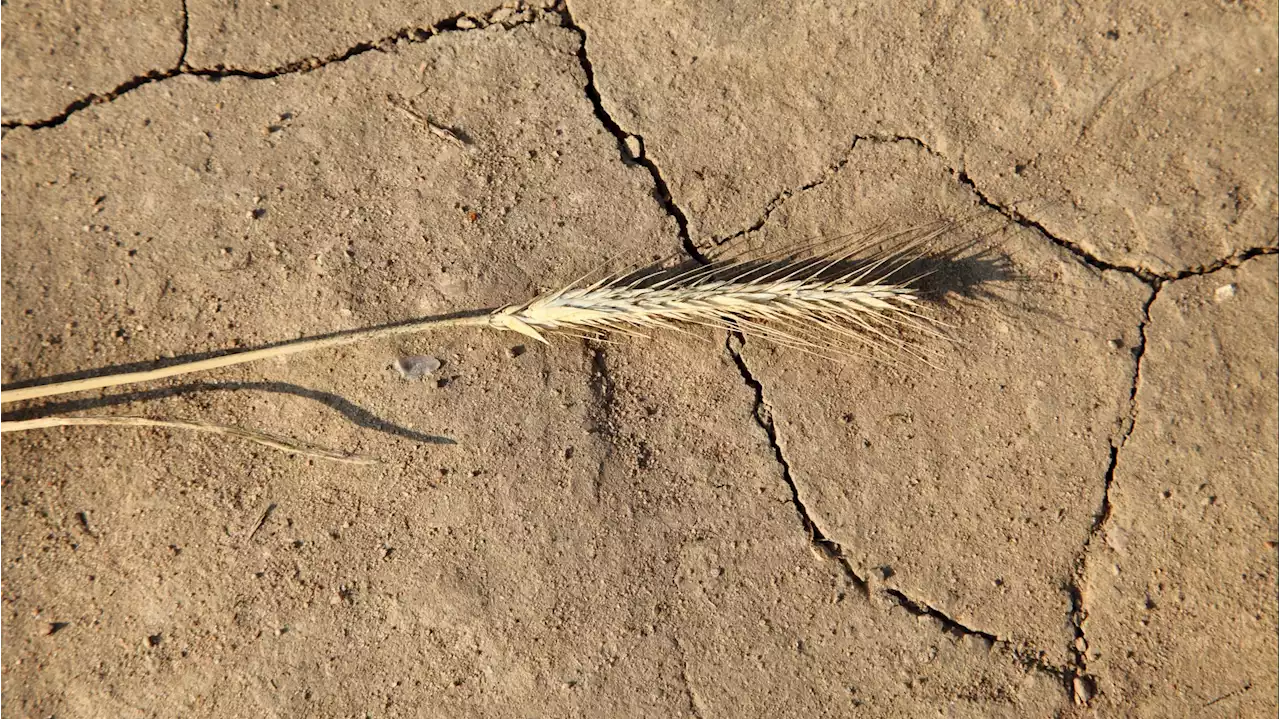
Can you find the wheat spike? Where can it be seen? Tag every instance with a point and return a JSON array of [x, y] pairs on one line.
[[852, 299], [828, 304]]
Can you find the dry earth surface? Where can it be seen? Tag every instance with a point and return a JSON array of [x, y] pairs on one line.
[[1073, 513]]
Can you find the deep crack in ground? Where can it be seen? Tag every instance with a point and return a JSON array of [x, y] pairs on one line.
[[1020, 219], [1078, 612], [661, 191], [763, 415], [186, 36], [1030, 658], [1008, 213]]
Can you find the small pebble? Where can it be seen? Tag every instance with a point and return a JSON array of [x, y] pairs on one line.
[[1084, 689], [1224, 293], [417, 367]]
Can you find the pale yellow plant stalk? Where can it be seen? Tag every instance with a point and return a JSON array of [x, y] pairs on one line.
[[833, 304]]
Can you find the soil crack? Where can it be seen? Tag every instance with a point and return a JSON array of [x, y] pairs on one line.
[[1085, 683], [763, 414], [1009, 213], [460, 22], [186, 36], [1030, 658], [628, 155]]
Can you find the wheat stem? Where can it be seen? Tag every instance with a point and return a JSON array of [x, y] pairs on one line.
[[478, 317], [733, 294], [825, 302]]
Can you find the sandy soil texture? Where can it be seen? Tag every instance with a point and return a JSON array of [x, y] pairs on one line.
[[1071, 513]]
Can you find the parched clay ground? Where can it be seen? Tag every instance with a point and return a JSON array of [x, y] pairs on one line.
[[1074, 513]]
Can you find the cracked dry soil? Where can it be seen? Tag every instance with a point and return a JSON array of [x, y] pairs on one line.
[[1073, 514]]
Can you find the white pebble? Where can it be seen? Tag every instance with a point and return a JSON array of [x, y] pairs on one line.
[[417, 367]]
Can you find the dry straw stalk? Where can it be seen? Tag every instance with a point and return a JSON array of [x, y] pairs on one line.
[[854, 298]]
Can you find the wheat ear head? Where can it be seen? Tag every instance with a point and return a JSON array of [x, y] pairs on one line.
[[832, 303]]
